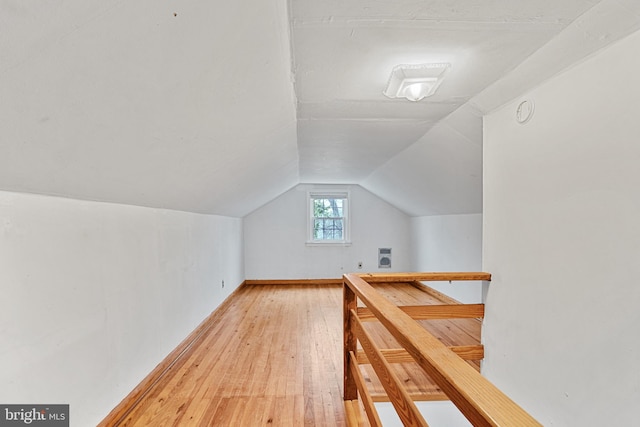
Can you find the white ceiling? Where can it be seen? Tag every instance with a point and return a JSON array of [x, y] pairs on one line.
[[218, 107], [183, 105], [344, 52]]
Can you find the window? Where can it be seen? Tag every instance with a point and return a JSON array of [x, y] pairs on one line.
[[328, 218]]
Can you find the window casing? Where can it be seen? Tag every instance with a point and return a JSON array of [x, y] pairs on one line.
[[328, 215]]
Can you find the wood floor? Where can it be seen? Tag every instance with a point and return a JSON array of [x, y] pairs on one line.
[[273, 356], [451, 332]]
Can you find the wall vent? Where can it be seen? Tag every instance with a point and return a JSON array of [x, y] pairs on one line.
[[384, 257]]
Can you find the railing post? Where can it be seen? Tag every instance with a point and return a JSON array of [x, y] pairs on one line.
[[350, 343]]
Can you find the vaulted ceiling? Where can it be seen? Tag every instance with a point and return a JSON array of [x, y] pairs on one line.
[[218, 107]]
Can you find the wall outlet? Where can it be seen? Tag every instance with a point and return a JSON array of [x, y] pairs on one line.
[[360, 265], [223, 284]]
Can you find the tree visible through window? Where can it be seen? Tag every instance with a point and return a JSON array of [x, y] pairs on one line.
[[329, 218]]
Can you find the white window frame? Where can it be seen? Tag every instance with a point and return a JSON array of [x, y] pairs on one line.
[[346, 215]]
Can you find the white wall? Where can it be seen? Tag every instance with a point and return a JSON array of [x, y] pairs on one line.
[[444, 243], [436, 414], [95, 295], [562, 240], [276, 234], [449, 243]]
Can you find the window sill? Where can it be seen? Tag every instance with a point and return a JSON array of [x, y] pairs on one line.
[[327, 243]]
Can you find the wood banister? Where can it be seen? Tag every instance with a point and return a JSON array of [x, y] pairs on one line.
[[402, 402], [422, 277], [400, 355], [365, 395], [429, 312], [482, 403]]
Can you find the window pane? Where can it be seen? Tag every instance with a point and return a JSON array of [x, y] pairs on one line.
[[328, 208], [327, 229], [328, 217]]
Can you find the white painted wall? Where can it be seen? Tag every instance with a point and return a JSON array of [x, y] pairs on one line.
[[562, 240], [95, 295], [443, 243], [436, 414], [276, 234], [449, 243]]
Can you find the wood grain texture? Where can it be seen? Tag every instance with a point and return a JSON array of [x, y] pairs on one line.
[[400, 355], [429, 312], [353, 416], [451, 332], [349, 303], [337, 281], [478, 399], [273, 358], [354, 411], [122, 410], [398, 395], [423, 277], [272, 355], [365, 397]]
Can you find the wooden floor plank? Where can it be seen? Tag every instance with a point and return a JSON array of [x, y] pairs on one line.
[[449, 331], [274, 357]]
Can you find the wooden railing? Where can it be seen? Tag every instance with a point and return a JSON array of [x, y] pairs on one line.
[[478, 399]]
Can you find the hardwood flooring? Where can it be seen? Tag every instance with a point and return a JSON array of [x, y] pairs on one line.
[[273, 356], [451, 332]]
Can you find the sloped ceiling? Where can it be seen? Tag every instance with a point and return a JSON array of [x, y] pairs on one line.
[[182, 105], [219, 107], [344, 53], [445, 164]]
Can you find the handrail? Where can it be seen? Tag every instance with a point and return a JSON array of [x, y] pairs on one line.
[[482, 403], [422, 277]]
